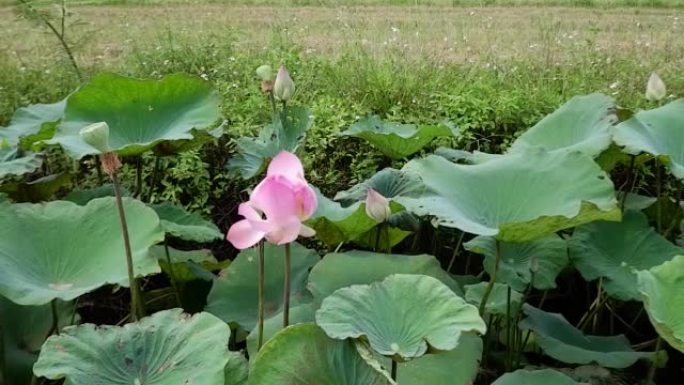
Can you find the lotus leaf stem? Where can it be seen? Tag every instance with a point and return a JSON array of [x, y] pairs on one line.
[[395, 369], [492, 279], [652, 369], [172, 275]]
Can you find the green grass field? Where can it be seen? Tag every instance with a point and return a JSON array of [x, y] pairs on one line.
[[492, 70]]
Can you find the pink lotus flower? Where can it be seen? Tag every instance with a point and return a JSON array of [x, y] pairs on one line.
[[277, 206], [377, 206]]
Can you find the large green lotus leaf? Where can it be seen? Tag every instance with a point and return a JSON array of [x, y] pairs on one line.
[[657, 132], [303, 355], [614, 250], [338, 270], [169, 347], [23, 330], [459, 366], [179, 223], [535, 377], [233, 297], [36, 121], [551, 254], [39, 190], [582, 124], [140, 113], [14, 162], [62, 250], [335, 224], [498, 300], [662, 290], [562, 341], [301, 313], [397, 140], [386, 313], [388, 182], [516, 197], [253, 154]]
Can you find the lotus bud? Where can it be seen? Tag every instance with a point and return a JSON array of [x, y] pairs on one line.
[[655, 89], [265, 72], [377, 206], [96, 135], [283, 87]]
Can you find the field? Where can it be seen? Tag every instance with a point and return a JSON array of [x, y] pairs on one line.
[[589, 225]]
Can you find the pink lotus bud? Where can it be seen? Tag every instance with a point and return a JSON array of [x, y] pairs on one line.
[[377, 206], [283, 87], [655, 89]]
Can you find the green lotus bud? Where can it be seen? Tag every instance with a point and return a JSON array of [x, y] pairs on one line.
[[283, 87], [655, 88], [96, 135], [265, 72]]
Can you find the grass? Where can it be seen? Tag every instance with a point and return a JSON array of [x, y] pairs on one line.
[[492, 70], [453, 3]]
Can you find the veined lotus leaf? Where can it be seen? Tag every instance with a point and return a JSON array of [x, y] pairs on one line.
[[402, 316], [84, 196], [639, 202], [233, 297], [168, 347], [334, 223], [658, 133], [179, 223], [535, 377], [301, 313], [23, 330], [550, 252], [614, 250], [662, 290], [562, 341], [303, 355], [582, 124], [498, 300], [35, 121], [397, 140], [14, 163], [459, 366], [60, 250], [383, 237], [388, 182], [39, 190], [253, 154], [516, 197], [338, 270], [140, 113], [186, 265]]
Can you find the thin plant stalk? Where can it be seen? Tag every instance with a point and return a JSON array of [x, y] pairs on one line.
[[509, 348], [153, 181], [260, 293], [457, 249], [630, 171], [286, 291], [54, 329], [395, 369], [136, 304], [172, 276], [492, 279], [138, 176], [652, 369]]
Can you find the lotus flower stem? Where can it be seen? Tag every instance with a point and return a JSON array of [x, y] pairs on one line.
[[395, 369], [492, 279], [652, 369], [286, 291], [172, 276], [260, 290], [136, 305]]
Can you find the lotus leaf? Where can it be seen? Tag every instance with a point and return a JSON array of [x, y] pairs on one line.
[[179, 223], [535, 377]]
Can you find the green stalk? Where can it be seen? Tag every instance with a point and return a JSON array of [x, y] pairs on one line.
[[172, 276], [395, 369], [286, 291], [652, 369], [509, 349], [136, 304], [492, 279], [260, 291], [659, 213], [54, 329], [456, 251]]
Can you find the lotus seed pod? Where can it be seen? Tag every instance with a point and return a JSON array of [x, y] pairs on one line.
[[283, 87], [377, 206], [655, 89], [96, 135], [265, 72]]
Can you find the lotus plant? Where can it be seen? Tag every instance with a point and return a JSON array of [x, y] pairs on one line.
[[378, 208], [655, 88], [275, 212]]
